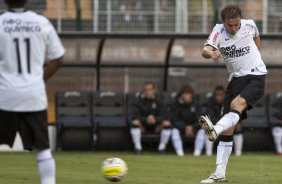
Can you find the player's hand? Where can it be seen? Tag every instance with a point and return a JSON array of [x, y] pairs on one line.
[[216, 54], [151, 120]]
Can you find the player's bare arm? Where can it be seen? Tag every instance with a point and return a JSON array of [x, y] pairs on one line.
[[52, 67], [209, 52], [257, 41]]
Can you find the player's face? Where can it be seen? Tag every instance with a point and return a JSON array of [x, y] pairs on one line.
[[219, 97], [232, 25], [187, 97], [149, 91]]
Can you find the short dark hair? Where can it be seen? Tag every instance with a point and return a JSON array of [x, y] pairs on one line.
[[187, 88], [149, 83], [16, 3], [219, 88], [230, 12]]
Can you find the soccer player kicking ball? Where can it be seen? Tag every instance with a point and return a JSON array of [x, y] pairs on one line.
[[25, 38], [237, 41]]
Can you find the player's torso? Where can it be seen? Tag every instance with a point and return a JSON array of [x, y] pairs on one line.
[[22, 48], [149, 106], [234, 47], [23, 38], [240, 52]]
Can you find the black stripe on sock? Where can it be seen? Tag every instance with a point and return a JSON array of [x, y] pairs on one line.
[[44, 160], [237, 112], [226, 138]]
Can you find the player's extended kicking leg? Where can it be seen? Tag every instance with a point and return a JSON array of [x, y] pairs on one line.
[[229, 120], [224, 128]]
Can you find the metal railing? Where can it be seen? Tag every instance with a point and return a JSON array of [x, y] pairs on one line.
[[152, 16]]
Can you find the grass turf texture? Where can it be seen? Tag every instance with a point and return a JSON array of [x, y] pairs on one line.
[[149, 168]]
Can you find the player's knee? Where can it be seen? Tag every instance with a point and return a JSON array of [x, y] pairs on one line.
[[228, 132], [238, 129], [175, 132], [136, 123], [239, 104], [166, 124]]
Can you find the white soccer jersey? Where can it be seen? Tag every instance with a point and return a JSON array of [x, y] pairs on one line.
[[25, 38], [240, 52]]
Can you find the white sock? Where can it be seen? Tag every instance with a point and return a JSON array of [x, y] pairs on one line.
[[209, 147], [224, 150], [199, 142], [136, 137], [238, 144], [227, 121], [177, 142], [277, 136], [46, 167], [165, 135]]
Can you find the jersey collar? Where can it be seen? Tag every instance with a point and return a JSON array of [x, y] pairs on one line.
[[17, 10]]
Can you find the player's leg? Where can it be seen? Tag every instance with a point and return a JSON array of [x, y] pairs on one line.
[[206, 123], [46, 166], [249, 89], [224, 150], [177, 130], [8, 127], [34, 132], [208, 146], [177, 142], [238, 139], [230, 120], [165, 133], [277, 136], [224, 147], [199, 142], [136, 131], [251, 92]]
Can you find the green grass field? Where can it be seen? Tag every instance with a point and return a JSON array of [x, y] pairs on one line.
[[149, 168]]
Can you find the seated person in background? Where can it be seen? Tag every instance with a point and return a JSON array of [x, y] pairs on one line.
[[185, 117], [148, 115], [277, 132]]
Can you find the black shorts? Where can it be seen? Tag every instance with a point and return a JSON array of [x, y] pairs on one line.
[[32, 126], [250, 87]]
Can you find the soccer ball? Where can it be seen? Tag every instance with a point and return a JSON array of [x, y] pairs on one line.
[[114, 169]]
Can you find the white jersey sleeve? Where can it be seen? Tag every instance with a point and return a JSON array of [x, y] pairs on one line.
[[254, 27], [214, 37], [55, 48]]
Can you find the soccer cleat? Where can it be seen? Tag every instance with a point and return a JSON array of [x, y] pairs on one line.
[[214, 179], [207, 125], [137, 151]]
